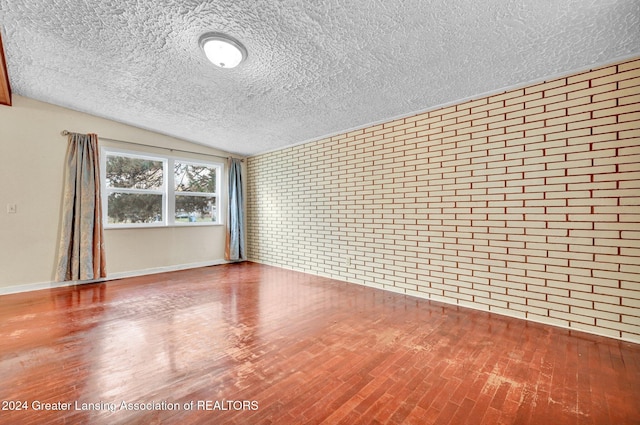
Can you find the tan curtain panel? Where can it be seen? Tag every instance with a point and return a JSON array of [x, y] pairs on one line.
[[81, 250]]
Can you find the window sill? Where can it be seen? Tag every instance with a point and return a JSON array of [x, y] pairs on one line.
[[163, 226]]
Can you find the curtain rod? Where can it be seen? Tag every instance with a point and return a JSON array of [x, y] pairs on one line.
[[67, 132]]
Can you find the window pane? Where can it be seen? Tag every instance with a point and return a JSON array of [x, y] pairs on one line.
[[194, 178], [134, 208], [196, 209], [133, 173]]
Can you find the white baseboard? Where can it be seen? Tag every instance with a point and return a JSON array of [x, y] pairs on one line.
[[28, 287], [111, 276], [164, 269]]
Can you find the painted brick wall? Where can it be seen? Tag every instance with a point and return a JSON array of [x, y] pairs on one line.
[[525, 203]]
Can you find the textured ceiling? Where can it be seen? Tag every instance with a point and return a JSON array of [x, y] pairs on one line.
[[315, 68]]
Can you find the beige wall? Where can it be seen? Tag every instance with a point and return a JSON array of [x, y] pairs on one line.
[[31, 174], [525, 203]]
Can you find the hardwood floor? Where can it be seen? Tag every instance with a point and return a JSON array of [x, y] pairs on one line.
[[253, 344]]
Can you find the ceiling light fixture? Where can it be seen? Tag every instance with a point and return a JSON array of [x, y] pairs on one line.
[[222, 50]]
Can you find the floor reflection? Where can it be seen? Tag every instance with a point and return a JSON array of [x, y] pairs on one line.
[[181, 336]]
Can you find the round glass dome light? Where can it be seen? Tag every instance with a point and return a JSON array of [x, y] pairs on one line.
[[223, 51]]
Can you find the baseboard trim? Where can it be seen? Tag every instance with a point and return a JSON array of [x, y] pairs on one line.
[[29, 287], [112, 276], [164, 269]]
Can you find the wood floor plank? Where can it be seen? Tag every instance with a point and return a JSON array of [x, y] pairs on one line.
[[253, 344]]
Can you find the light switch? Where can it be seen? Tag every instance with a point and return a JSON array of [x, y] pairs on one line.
[[12, 208]]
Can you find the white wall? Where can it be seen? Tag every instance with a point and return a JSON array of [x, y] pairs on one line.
[[32, 155]]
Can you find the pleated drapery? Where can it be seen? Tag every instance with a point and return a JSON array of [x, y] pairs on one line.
[[235, 249], [81, 254]]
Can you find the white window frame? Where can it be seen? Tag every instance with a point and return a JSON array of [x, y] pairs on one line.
[[167, 191]]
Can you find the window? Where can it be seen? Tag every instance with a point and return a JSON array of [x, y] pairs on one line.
[[152, 190], [195, 192]]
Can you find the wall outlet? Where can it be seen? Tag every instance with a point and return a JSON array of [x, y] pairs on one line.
[[12, 208], [347, 261]]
